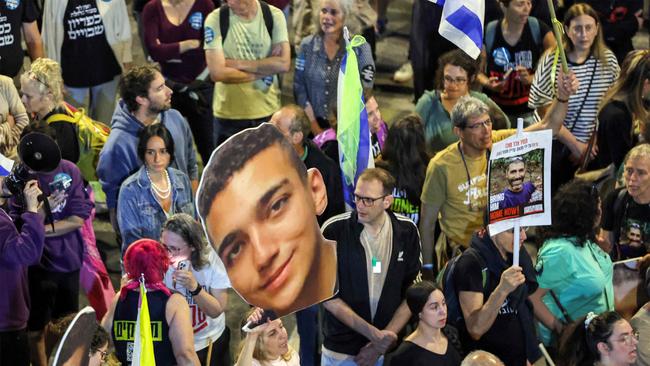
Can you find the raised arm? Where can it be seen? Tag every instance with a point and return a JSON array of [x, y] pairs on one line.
[[567, 84]]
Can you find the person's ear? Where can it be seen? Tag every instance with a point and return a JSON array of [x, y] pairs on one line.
[[603, 348], [457, 131], [318, 191], [388, 201], [143, 101]]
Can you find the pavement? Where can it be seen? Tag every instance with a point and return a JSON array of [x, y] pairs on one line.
[[395, 100]]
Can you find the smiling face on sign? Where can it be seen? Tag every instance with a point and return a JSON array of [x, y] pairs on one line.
[[262, 224]]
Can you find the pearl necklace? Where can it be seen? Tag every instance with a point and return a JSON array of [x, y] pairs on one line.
[[162, 193]]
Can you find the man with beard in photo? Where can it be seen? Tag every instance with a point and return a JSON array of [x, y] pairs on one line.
[[518, 192]]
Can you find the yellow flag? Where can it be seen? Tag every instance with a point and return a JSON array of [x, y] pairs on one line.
[[143, 348]]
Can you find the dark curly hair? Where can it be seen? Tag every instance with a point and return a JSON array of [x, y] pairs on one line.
[[458, 58], [135, 83], [574, 212]]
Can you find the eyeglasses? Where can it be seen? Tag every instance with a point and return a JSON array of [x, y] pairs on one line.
[[104, 354], [172, 249], [458, 81], [367, 201], [474, 127], [629, 338]]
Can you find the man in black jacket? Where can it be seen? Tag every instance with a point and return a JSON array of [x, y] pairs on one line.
[[294, 124], [379, 257]]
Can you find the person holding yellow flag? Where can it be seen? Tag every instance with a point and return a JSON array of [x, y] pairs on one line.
[[144, 299]]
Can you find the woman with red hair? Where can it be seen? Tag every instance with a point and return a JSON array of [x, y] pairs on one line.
[[146, 260]]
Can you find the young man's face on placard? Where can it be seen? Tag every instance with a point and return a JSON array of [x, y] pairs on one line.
[[263, 227]]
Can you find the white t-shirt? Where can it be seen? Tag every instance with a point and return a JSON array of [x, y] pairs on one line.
[[294, 361], [212, 276]]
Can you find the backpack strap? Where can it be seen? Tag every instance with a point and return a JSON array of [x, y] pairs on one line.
[[268, 18], [533, 24], [485, 272], [618, 207], [490, 34], [224, 19]]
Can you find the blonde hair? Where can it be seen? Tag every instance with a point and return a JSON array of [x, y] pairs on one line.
[[47, 75], [598, 47], [639, 151], [259, 352]]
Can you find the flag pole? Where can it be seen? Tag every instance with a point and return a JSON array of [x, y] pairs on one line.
[[558, 31]]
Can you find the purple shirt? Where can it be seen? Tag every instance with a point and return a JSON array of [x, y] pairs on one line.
[[64, 253], [514, 199], [17, 251], [162, 39]]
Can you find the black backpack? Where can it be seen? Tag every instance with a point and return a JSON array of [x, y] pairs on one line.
[[446, 281], [224, 19]]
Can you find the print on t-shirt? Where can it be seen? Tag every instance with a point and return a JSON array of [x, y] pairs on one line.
[[475, 193], [634, 238], [84, 21], [199, 319]]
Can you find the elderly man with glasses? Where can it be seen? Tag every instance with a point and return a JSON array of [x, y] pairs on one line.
[[455, 189]]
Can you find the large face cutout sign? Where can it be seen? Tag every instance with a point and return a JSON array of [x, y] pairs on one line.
[[258, 205]]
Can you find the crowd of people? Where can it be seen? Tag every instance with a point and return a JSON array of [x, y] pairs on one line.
[[420, 279]]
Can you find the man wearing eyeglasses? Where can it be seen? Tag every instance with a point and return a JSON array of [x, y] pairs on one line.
[[379, 257], [455, 188]]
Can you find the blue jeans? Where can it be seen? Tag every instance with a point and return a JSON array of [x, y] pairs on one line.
[[99, 100], [330, 361]]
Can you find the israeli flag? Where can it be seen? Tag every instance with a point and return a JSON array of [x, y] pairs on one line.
[[462, 24], [6, 165]]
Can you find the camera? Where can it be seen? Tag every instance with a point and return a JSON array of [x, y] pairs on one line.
[[38, 153]]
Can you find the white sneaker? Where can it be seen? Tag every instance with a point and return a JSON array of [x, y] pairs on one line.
[[404, 73]]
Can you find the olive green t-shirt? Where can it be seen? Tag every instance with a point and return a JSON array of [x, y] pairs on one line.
[[462, 202], [246, 40]]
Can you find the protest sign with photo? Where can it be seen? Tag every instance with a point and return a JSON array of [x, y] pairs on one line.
[[519, 181]]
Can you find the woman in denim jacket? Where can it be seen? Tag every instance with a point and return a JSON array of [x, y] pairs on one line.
[[155, 192]]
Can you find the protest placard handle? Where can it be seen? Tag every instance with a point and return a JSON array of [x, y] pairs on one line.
[[520, 126], [548, 358], [515, 244]]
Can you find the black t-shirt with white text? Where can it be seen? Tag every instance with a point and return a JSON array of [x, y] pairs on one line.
[[13, 13], [513, 98], [505, 338], [84, 45], [630, 225]]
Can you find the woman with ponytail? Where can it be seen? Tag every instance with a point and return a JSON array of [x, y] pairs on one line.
[[146, 261], [433, 342], [599, 340]]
